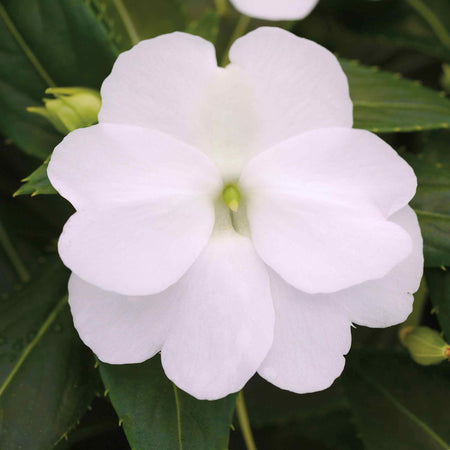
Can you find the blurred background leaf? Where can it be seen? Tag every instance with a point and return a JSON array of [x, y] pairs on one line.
[[396, 403]]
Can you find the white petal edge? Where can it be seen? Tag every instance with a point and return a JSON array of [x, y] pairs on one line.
[[137, 249], [310, 340], [312, 332], [275, 9], [389, 300], [223, 326], [106, 165], [159, 84], [317, 208], [297, 84], [119, 329]]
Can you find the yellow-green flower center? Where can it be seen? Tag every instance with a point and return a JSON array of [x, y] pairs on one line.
[[231, 196]]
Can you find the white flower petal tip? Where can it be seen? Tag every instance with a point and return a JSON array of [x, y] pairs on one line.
[[275, 9], [310, 340], [298, 85], [319, 207], [313, 331], [223, 327], [119, 329]]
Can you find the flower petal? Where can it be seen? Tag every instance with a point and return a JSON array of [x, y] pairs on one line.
[[106, 165], [223, 326], [137, 249], [388, 301], [159, 84], [119, 329], [311, 336], [318, 207], [297, 84], [312, 332], [275, 9]]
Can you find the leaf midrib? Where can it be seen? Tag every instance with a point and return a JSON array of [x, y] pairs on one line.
[[403, 409], [29, 348], [25, 48]]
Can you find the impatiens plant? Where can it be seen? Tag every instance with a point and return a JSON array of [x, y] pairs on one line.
[[231, 218], [228, 228]]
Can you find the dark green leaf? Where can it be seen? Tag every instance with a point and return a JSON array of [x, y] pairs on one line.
[[396, 22], [326, 431], [45, 43], [432, 200], [438, 282], [398, 404], [384, 102], [47, 377], [285, 406], [155, 414]]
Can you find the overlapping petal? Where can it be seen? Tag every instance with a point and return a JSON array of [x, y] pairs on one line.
[[318, 207], [223, 327], [312, 331], [118, 328], [311, 336], [388, 301], [107, 165], [160, 84], [275, 9], [297, 84], [145, 206]]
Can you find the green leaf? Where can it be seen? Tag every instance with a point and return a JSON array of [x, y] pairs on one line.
[[396, 22], [37, 183], [398, 404], [129, 21], [432, 200], [384, 102], [47, 376], [156, 414], [46, 43], [438, 282], [206, 27]]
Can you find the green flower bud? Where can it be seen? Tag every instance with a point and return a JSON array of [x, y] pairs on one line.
[[425, 345], [72, 108]]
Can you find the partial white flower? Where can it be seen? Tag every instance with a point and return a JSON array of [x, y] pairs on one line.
[[323, 236], [275, 9]]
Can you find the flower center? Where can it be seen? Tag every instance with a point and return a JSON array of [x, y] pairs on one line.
[[231, 196]]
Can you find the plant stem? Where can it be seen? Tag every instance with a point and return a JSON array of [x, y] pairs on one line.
[[241, 27], [127, 22], [13, 256], [432, 19], [244, 422]]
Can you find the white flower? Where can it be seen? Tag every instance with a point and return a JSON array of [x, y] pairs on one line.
[[275, 9], [326, 237]]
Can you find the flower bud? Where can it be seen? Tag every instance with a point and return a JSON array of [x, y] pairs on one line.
[[72, 108], [425, 345]]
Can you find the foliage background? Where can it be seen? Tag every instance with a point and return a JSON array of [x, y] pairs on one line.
[[52, 391]]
